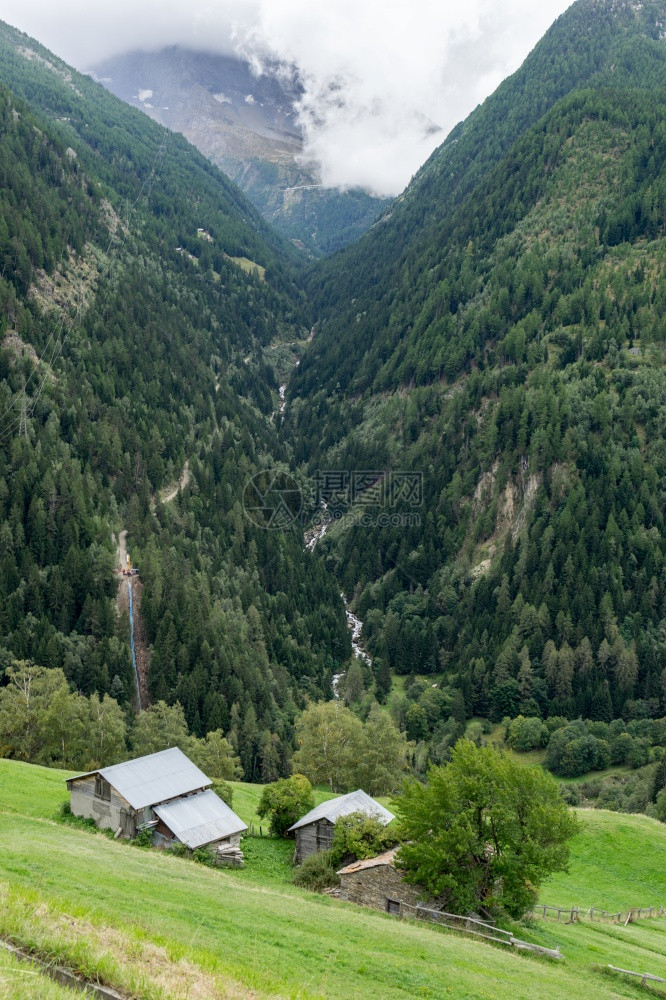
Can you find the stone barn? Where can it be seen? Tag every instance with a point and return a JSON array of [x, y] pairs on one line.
[[163, 792], [378, 883], [314, 831]]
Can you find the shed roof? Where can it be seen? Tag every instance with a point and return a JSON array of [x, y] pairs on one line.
[[387, 858], [155, 778], [200, 819], [358, 801]]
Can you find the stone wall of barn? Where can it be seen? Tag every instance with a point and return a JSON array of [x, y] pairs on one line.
[[377, 886], [109, 814]]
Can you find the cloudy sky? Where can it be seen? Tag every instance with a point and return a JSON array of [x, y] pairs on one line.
[[376, 73]]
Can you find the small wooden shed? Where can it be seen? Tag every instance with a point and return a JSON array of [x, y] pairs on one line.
[[314, 831]]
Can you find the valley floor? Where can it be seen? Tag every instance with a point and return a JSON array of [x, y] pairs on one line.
[[160, 927]]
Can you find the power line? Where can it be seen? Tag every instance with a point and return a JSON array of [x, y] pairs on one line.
[[24, 418]]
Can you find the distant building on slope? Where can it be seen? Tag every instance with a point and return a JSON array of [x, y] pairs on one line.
[[377, 882], [163, 792], [314, 831]]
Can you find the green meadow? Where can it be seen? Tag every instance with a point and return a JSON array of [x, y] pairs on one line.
[[165, 928], [20, 980]]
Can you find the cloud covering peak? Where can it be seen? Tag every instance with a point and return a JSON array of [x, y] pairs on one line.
[[383, 80]]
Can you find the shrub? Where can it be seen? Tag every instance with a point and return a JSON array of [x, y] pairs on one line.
[[573, 751], [660, 808], [225, 792], [599, 729], [556, 722], [603, 755], [640, 753], [527, 734], [179, 850], [474, 733], [571, 795], [144, 838], [317, 873], [628, 793], [579, 756], [359, 836], [285, 801], [621, 748], [204, 856]]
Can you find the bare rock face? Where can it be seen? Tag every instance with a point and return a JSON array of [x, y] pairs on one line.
[[247, 126]]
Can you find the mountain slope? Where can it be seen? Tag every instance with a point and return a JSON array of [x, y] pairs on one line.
[[247, 126], [141, 296], [600, 43], [507, 345]]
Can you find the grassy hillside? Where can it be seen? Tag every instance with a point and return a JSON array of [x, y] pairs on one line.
[[31, 790], [20, 982], [616, 864], [154, 924]]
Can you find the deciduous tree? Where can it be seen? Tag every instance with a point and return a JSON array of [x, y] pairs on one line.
[[484, 830], [284, 802]]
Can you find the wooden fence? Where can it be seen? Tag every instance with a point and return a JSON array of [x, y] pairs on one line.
[[573, 914], [644, 976], [476, 928]]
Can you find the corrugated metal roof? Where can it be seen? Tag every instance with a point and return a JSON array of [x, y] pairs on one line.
[[358, 801], [155, 778], [200, 819], [387, 858]]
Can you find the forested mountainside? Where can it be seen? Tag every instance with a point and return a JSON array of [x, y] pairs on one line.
[[482, 395], [370, 295], [141, 298], [503, 336], [247, 126]]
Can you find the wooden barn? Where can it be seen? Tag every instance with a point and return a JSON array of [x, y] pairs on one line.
[[314, 831], [163, 792], [378, 883]]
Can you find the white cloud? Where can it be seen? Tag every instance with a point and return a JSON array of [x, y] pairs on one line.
[[83, 32], [375, 72]]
